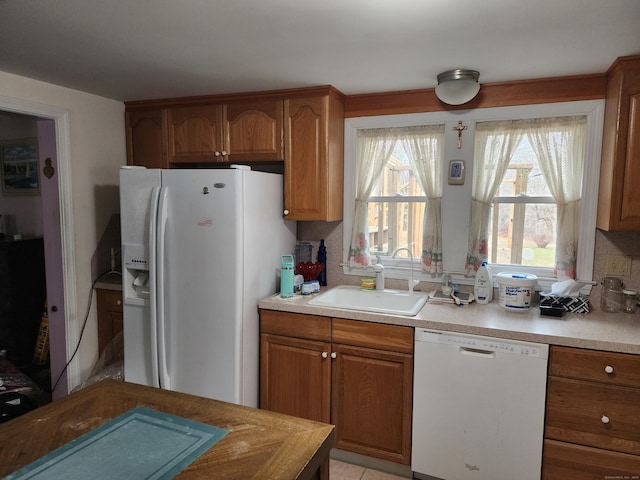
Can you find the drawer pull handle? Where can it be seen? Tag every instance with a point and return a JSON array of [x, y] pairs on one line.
[[608, 369], [605, 419], [325, 354]]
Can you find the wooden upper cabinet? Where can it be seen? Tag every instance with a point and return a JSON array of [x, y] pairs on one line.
[[195, 134], [234, 132], [619, 197], [314, 157], [146, 143], [253, 130]]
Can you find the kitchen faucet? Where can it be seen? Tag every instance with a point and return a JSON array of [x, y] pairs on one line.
[[412, 282]]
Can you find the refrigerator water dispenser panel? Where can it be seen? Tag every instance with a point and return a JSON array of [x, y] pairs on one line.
[[135, 257]]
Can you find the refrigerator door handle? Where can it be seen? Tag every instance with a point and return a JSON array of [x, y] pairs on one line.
[[165, 380], [153, 326]]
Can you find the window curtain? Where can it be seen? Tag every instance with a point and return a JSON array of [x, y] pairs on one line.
[[559, 144], [374, 148], [424, 146], [495, 143]]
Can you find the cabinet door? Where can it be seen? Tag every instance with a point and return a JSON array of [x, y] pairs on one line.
[[195, 134], [145, 139], [371, 402], [253, 130], [313, 165], [109, 310], [295, 377], [619, 197]]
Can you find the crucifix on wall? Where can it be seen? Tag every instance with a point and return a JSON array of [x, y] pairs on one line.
[[460, 128]]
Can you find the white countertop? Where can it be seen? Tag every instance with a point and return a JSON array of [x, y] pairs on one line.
[[615, 332]]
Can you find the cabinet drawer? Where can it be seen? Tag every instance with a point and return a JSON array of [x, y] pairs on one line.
[[373, 335], [593, 414], [563, 461], [594, 365], [298, 325]]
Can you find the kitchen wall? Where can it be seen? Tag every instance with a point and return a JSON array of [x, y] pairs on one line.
[[97, 149], [607, 243]]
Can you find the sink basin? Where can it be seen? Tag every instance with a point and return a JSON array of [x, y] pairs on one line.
[[397, 302]]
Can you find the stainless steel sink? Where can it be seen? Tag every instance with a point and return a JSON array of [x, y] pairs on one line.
[[397, 302]]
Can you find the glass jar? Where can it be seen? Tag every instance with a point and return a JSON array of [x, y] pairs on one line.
[[611, 296], [630, 301]]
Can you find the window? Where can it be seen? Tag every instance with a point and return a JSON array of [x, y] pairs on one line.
[[398, 194], [523, 206]]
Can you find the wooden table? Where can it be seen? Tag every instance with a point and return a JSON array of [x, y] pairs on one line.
[[260, 444]]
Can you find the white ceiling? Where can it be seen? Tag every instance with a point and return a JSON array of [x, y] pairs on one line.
[[142, 49]]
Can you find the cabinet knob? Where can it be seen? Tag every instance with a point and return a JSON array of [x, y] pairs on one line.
[[334, 355], [216, 154], [286, 212], [118, 302], [325, 354], [605, 419], [608, 369], [224, 153]]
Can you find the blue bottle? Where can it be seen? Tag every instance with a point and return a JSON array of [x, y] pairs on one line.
[[322, 258]]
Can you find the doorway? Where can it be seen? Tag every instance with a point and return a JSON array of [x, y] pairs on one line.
[[59, 260]]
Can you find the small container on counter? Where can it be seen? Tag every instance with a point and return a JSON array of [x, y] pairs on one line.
[[629, 301], [611, 295], [316, 286], [307, 288]]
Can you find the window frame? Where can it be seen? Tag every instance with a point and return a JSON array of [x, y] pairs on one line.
[[456, 199]]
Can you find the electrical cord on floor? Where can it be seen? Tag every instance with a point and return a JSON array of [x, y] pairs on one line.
[[84, 324]]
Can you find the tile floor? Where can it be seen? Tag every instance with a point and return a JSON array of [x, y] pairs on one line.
[[346, 471]]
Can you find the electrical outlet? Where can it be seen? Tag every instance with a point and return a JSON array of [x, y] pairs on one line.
[[619, 265]]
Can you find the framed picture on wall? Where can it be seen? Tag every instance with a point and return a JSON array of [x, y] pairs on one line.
[[19, 165]]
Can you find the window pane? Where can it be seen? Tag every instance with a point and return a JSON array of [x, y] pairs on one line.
[[393, 225], [398, 177], [523, 177], [523, 234]]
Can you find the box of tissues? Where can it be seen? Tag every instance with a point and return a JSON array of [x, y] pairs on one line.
[[566, 296]]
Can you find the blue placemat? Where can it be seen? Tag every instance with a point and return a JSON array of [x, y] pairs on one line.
[[139, 444]]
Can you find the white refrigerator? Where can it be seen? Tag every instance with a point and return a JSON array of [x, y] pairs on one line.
[[199, 249]]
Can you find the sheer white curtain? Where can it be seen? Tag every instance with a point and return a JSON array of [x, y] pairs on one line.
[[559, 144], [424, 146], [375, 146], [495, 143]]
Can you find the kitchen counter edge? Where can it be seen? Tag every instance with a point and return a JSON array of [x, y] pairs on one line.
[[597, 330]]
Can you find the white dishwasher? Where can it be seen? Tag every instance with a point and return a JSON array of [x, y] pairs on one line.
[[478, 407]]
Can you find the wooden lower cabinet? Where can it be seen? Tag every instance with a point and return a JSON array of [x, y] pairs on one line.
[[355, 375], [371, 402], [296, 377], [592, 427], [110, 316]]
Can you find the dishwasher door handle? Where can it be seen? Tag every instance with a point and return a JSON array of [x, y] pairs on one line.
[[477, 352]]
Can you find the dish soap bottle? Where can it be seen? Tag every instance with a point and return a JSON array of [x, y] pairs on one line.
[[483, 287], [322, 258]]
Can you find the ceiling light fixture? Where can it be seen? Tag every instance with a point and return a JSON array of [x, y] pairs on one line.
[[456, 87]]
